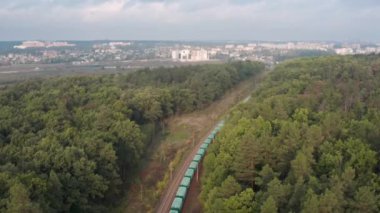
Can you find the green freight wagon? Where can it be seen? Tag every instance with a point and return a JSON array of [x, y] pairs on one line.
[[210, 137], [185, 182], [208, 141], [189, 173], [181, 192], [177, 204], [193, 165], [204, 146], [201, 152], [197, 158], [173, 211]]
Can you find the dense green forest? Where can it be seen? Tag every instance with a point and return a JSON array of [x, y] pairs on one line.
[[69, 144], [308, 141]]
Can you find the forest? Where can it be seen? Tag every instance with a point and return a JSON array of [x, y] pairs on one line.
[[307, 141], [70, 144]]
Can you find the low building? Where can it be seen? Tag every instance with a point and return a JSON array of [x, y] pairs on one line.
[[43, 44]]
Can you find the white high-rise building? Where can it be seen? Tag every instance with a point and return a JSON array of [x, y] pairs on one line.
[[199, 55], [190, 55], [344, 51]]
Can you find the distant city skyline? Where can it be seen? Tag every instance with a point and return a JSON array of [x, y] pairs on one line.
[[195, 20]]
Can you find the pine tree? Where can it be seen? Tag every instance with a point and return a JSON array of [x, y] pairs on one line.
[[366, 200], [269, 206], [245, 162], [19, 201], [311, 205], [241, 203], [229, 187], [55, 191], [329, 203]]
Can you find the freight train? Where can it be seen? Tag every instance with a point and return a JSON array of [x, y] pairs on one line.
[[180, 197]]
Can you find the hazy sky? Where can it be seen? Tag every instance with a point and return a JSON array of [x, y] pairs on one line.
[[190, 20]]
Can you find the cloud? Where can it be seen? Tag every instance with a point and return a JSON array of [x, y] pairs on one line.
[[190, 19], [103, 10]]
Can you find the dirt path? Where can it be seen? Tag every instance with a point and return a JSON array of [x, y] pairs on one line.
[[202, 122]]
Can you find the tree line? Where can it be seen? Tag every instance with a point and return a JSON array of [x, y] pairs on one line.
[[69, 144], [308, 141]]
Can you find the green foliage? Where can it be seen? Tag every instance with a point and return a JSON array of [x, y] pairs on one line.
[[307, 141], [19, 200], [366, 200], [269, 206], [243, 202], [69, 144]]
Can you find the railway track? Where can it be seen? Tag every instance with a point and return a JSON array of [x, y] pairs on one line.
[[170, 192]]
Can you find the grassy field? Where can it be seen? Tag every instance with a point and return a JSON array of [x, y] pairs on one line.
[[15, 73]]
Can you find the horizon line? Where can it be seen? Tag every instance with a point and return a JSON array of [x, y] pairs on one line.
[[196, 40]]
